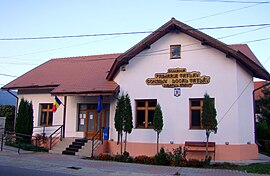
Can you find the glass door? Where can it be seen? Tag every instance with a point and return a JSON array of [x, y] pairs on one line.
[[91, 123]]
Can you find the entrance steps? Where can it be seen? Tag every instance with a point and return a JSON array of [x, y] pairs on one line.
[[75, 146], [59, 148], [86, 150]]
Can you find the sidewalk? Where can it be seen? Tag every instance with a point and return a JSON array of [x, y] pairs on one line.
[[261, 159], [74, 165]]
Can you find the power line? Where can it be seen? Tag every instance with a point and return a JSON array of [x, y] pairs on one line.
[[77, 36], [257, 40], [22, 63], [149, 54], [126, 33], [220, 13], [161, 51], [1, 74], [240, 33], [55, 49], [225, 1], [156, 51], [71, 46], [232, 27]]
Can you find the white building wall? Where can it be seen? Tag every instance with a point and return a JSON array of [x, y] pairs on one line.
[[38, 99], [71, 129], [228, 80], [43, 98], [245, 110], [72, 113], [223, 87]]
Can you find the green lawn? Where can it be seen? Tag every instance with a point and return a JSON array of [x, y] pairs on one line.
[[256, 168], [259, 168]]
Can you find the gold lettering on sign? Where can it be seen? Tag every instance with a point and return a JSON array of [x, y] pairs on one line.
[[178, 77]]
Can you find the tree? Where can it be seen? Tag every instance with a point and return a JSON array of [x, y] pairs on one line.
[[128, 124], [209, 120], [263, 111], [119, 118], [263, 105], [8, 111], [24, 121], [158, 123]]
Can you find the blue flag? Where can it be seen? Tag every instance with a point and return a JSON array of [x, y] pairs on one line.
[[99, 108]]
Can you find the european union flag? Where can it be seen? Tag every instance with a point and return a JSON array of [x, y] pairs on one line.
[[99, 108]]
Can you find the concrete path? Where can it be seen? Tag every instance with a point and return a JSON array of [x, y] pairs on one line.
[[74, 165]]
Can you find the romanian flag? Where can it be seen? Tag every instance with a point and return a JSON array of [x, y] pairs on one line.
[[56, 103]]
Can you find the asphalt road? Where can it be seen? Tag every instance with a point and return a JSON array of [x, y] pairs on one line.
[[41, 164], [16, 171]]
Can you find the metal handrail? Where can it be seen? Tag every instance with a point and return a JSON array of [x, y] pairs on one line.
[[44, 128], [20, 135], [16, 137], [55, 132], [47, 126], [93, 142]]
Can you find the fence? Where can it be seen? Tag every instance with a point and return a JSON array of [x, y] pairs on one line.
[[45, 137]]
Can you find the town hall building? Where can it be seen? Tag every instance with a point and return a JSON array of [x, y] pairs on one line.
[[174, 66]]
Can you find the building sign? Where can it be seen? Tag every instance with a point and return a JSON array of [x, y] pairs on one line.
[[178, 77]]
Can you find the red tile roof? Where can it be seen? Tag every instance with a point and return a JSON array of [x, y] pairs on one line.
[[243, 48], [74, 75], [94, 74], [258, 94]]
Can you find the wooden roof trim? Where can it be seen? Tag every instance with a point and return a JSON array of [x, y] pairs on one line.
[[30, 87], [88, 93], [145, 43]]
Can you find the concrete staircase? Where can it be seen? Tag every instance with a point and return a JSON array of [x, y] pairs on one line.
[[86, 150], [75, 146], [59, 148]]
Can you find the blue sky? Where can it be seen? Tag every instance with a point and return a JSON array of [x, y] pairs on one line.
[[35, 18]]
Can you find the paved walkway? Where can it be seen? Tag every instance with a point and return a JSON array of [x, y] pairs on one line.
[[73, 165]]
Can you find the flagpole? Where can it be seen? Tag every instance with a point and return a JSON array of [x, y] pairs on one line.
[[64, 115], [99, 109]]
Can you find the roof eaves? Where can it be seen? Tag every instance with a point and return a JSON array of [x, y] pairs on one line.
[[29, 87], [257, 70], [95, 92]]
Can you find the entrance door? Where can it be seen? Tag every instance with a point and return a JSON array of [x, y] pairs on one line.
[[91, 123]]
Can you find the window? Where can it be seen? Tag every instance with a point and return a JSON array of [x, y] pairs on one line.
[[82, 117], [46, 114], [175, 51], [196, 113], [145, 113]]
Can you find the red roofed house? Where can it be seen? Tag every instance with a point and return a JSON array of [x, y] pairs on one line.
[[173, 66], [259, 84]]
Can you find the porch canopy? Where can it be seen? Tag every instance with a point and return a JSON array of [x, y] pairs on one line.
[[78, 76]]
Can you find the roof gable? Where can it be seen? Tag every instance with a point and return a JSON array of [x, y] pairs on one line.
[[239, 53]]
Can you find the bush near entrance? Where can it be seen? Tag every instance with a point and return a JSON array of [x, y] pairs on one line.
[[24, 121], [177, 153]]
